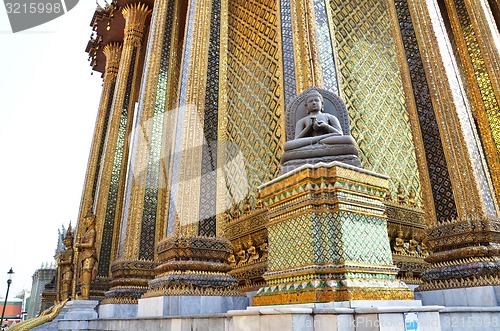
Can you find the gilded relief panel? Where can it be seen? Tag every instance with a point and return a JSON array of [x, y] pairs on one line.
[[371, 86], [254, 130]]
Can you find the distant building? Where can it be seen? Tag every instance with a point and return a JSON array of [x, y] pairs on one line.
[[13, 311], [49, 296], [41, 277]]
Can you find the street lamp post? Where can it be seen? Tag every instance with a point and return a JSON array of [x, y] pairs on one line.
[[9, 281]]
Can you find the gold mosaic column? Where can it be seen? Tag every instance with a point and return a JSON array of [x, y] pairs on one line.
[[476, 35], [112, 185], [204, 273], [437, 193], [305, 30], [426, 185], [190, 119], [113, 54], [168, 85], [470, 178], [141, 228], [465, 251]]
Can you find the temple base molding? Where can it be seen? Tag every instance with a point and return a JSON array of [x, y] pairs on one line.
[[191, 279], [471, 308], [130, 281]]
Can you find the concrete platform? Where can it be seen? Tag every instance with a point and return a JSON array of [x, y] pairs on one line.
[[189, 305], [118, 311], [347, 315], [360, 315], [344, 316], [467, 309]]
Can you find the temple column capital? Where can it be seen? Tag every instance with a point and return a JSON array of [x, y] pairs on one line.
[[113, 52], [135, 22]]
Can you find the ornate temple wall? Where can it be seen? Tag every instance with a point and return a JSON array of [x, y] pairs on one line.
[[218, 76], [370, 84], [360, 64], [251, 120]]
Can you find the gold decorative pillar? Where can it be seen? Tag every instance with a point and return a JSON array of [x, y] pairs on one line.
[[190, 119], [169, 87], [477, 39], [141, 228], [469, 176], [112, 52], [112, 178], [465, 252], [192, 260], [401, 41], [190, 134]]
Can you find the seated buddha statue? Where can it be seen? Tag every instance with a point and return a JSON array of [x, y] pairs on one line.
[[314, 132], [399, 245], [413, 245]]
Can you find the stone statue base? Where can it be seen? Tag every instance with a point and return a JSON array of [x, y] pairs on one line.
[[328, 237], [290, 165], [81, 309]]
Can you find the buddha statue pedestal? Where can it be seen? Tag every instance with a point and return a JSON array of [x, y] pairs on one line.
[[328, 238]]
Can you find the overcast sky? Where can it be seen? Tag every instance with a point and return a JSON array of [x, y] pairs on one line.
[[49, 102]]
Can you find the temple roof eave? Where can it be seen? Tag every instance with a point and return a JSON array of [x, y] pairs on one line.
[[108, 26]]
